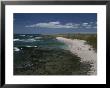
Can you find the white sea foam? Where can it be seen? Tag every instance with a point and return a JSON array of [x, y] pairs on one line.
[[22, 35], [28, 46], [31, 46], [25, 40], [38, 37], [16, 49], [35, 46], [30, 40], [15, 39], [84, 51]]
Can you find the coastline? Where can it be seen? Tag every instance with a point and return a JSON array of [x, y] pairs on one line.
[[82, 50]]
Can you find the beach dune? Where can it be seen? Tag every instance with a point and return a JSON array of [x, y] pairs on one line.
[[82, 50]]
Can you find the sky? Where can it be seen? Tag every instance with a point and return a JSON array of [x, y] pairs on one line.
[[54, 23]]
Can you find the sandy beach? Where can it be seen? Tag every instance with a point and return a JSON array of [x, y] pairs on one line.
[[82, 50]]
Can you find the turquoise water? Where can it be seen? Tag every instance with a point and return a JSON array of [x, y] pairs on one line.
[[32, 40]]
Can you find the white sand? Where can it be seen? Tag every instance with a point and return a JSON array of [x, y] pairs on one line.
[[82, 50]]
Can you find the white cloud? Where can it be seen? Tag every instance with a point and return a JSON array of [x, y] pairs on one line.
[[58, 24], [84, 24], [90, 25]]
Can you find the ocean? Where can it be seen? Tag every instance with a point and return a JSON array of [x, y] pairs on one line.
[[36, 40]]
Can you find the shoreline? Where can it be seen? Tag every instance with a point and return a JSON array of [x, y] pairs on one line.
[[82, 50]]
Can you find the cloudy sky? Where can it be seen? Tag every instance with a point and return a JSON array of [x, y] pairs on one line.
[[52, 23]]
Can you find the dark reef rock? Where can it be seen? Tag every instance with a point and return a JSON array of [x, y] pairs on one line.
[[47, 61]]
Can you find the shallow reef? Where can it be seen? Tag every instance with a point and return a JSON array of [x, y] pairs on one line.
[[47, 61]]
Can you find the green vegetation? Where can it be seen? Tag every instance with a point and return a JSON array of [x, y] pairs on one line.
[[45, 61]]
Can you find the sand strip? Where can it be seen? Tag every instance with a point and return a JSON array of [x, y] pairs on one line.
[[82, 50]]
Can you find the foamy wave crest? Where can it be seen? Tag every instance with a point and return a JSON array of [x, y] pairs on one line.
[[31, 46], [16, 49], [38, 37], [25, 40], [29, 40], [28, 46], [22, 35], [16, 40]]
